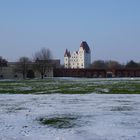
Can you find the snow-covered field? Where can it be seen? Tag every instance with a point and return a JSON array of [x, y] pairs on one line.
[[95, 116]]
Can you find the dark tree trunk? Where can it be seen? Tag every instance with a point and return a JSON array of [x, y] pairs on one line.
[[42, 76], [24, 76]]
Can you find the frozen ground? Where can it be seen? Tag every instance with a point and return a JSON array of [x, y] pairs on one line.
[[96, 117]]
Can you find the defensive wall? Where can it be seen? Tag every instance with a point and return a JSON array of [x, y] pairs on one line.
[[95, 73]]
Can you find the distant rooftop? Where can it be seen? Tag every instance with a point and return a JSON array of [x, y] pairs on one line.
[[85, 46]]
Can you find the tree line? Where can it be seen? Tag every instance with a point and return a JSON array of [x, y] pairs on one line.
[[40, 62], [111, 64]]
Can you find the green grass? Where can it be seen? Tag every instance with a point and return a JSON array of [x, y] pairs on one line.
[[59, 122], [65, 86]]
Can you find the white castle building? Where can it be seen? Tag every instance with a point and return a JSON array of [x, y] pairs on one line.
[[78, 59]]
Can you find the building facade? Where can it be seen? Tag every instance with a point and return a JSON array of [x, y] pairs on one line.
[[78, 59]]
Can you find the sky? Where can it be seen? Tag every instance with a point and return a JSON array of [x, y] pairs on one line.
[[110, 27]]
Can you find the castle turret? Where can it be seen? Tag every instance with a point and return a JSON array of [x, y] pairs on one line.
[[67, 56]]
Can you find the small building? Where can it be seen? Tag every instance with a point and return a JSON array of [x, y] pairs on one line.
[[8, 71]]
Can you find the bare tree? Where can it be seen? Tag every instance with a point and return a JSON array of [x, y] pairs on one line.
[[110, 64], [132, 64], [98, 64], [42, 61], [23, 66]]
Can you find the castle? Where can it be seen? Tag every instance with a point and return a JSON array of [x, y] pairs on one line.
[[78, 59]]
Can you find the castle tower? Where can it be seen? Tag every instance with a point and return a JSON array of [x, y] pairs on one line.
[[78, 59], [84, 55]]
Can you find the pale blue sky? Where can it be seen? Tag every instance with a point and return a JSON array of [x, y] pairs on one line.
[[110, 27]]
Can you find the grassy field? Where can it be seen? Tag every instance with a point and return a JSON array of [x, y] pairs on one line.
[[71, 86]]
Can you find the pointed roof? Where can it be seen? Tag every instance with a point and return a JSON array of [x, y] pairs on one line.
[[67, 53], [85, 46]]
